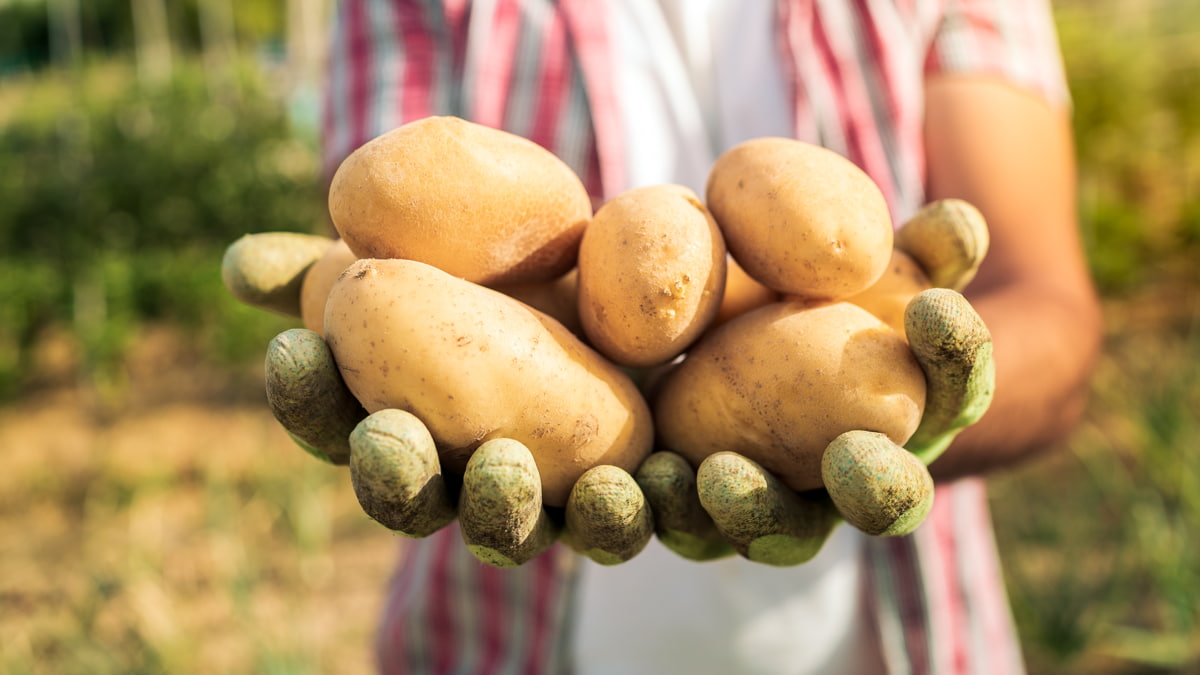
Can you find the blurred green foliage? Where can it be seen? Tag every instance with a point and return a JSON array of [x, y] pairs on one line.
[[1134, 72], [117, 199], [1098, 542], [107, 27], [1103, 569]]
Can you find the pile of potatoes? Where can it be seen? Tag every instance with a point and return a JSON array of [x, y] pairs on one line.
[[474, 287]]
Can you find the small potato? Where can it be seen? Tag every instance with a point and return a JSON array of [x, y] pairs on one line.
[[779, 383], [474, 364], [480, 203], [888, 297], [559, 298], [314, 291], [742, 293], [799, 218], [651, 274]]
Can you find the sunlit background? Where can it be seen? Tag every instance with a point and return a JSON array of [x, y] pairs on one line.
[[153, 518]]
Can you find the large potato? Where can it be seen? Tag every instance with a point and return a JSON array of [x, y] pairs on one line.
[[475, 364], [779, 383], [799, 218], [651, 274], [482, 204]]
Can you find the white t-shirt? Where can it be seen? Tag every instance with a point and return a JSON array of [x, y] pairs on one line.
[[692, 84]]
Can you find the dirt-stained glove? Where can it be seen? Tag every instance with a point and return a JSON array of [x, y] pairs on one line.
[[444, 212], [393, 459], [867, 479], [730, 504], [811, 225]]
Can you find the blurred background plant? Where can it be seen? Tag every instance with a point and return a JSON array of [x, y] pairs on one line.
[[155, 519], [136, 141], [1099, 542]]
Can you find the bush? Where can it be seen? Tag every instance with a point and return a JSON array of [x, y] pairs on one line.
[[1135, 80], [114, 207], [107, 26]]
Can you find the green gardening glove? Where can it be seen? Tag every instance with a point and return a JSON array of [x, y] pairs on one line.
[[868, 481], [394, 461]]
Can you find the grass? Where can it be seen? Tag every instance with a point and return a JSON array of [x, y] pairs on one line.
[[184, 534], [1098, 540]]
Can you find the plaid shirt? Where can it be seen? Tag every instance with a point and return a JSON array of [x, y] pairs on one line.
[[541, 69]]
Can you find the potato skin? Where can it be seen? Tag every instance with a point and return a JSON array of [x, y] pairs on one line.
[[779, 383], [474, 364], [314, 290], [559, 298], [888, 297], [651, 274], [800, 218], [480, 203], [742, 293]]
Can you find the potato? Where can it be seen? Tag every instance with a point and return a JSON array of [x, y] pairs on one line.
[[779, 383], [888, 297], [480, 203], [475, 364], [651, 274], [558, 297], [799, 218], [317, 282], [742, 293]]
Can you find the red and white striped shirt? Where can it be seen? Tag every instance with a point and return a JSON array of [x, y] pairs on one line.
[[544, 69]]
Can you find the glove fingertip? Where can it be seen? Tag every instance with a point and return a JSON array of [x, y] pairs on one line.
[[879, 487], [608, 518], [396, 476], [266, 270], [502, 519]]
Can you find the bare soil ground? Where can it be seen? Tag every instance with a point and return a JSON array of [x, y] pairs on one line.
[[169, 525]]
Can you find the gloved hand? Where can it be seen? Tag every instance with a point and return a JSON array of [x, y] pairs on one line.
[[868, 481], [393, 459], [730, 504]]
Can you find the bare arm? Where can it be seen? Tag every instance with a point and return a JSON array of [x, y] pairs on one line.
[[1010, 154]]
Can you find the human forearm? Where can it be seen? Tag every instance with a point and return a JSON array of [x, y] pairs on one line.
[[1010, 155], [1045, 346]]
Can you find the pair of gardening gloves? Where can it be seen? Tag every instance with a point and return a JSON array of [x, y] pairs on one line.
[[728, 505]]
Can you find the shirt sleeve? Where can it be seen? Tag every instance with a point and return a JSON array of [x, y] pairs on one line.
[[1014, 40]]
